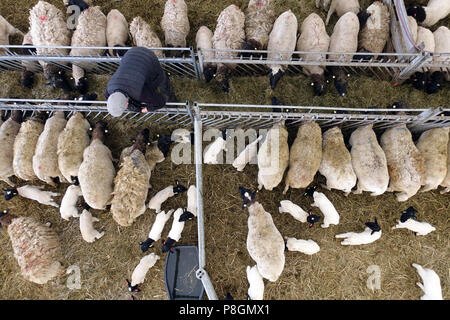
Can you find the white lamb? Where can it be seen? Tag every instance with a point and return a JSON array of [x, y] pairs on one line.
[[6, 30], [419, 228], [331, 216], [287, 206], [246, 156], [116, 31], [158, 199], [309, 247], [68, 207], [370, 234], [33, 193], [175, 23], [341, 7], [8, 133], [212, 150], [431, 283], [430, 14], [141, 270], [256, 284], [144, 36], [87, 229], [175, 231], [157, 228], [203, 39]]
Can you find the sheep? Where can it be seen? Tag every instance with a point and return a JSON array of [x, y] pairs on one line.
[[155, 232], [308, 247], [96, 173], [68, 208], [375, 33], [406, 165], [71, 144], [175, 231], [158, 199], [343, 39], [314, 38], [8, 132], [36, 247], [331, 216], [442, 45], [283, 37], [430, 14], [175, 24], [431, 283], [369, 161], [213, 150], [48, 27], [203, 40], [433, 145], [259, 19], [426, 37], [256, 284], [7, 30], [342, 7], [140, 271], [371, 233], [446, 182], [88, 232], [144, 36], [246, 156], [191, 209], [45, 159], [408, 221], [230, 35], [116, 32], [131, 184], [33, 193], [29, 67], [264, 242], [336, 165], [287, 206], [273, 157], [412, 24], [305, 156], [90, 32]]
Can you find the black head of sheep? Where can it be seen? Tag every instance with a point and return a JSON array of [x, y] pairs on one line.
[[178, 188], [209, 72], [142, 140], [419, 80], [75, 181], [164, 142], [222, 77], [319, 84], [310, 191], [407, 214], [274, 78], [6, 218], [373, 226], [10, 193], [83, 205], [168, 245], [247, 196], [87, 97], [119, 52], [341, 81], [186, 216], [99, 131], [312, 218], [363, 15], [147, 244], [81, 85], [56, 77], [434, 82], [27, 79], [132, 288], [417, 12]]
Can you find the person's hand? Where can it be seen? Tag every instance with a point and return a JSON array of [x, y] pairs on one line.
[[144, 110]]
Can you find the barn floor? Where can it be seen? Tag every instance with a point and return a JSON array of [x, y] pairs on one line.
[[336, 272]]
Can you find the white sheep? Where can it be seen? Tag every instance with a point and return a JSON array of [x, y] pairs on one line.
[[331, 216], [175, 23], [88, 232], [431, 283], [192, 200], [283, 37], [246, 156], [34, 193], [309, 247], [287, 206], [158, 199], [256, 284], [144, 36], [68, 207], [97, 172], [433, 145], [375, 33], [7, 30], [314, 38], [116, 31], [175, 231], [156, 230], [369, 161], [45, 159], [442, 45], [341, 7], [273, 157], [203, 40], [426, 37], [370, 234], [71, 144], [419, 228], [430, 14], [446, 182], [8, 132], [305, 156], [141, 270], [259, 19], [213, 150]]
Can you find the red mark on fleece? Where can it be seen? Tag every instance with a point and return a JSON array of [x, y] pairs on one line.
[[441, 169], [174, 1], [43, 18], [260, 4], [40, 167]]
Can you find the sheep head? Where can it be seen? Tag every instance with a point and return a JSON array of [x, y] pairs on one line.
[[373, 226], [248, 197], [407, 214], [10, 193], [417, 12]]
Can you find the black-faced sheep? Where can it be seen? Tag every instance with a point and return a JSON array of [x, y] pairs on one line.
[[144, 36], [116, 32], [8, 132], [259, 19], [175, 24], [429, 15], [203, 39]]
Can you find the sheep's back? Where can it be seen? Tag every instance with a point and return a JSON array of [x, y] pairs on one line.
[[259, 19], [8, 133], [375, 33], [203, 39], [229, 32], [175, 23], [144, 36], [116, 29], [345, 36], [442, 45], [283, 37]]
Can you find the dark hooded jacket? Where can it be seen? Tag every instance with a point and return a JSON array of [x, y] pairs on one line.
[[138, 77]]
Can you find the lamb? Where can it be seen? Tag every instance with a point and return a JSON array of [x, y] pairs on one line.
[[429, 15], [342, 7], [446, 182], [45, 159], [442, 45], [406, 165], [88, 233], [96, 173], [8, 132], [273, 157], [175, 23], [308, 247], [264, 242], [7, 30], [214, 149], [246, 156], [155, 232], [140, 271], [229, 34], [433, 145], [283, 37], [175, 231], [408, 221], [71, 144], [203, 39], [331, 216], [431, 283], [116, 32], [256, 284], [259, 19], [33, 193], [314, 38], [48, 27], [191, 210], [36, 247], [343, 39], [90, 32], [369, 161], [131, 183], [370, 234], [287, 206], [144, 36], [336, 163], [68, 208], [158, 199]]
